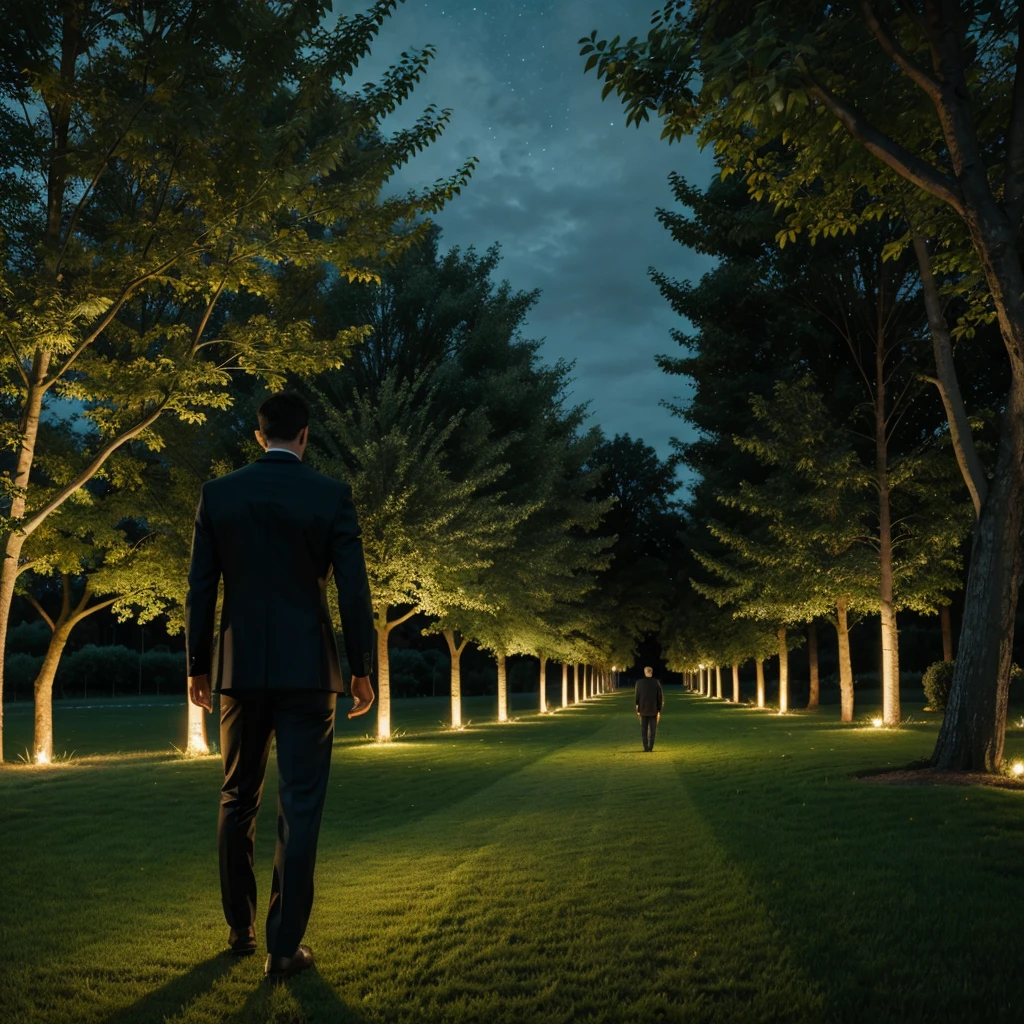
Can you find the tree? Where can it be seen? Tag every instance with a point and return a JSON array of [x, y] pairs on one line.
[[926, 97], [158, 161], [427, 534]]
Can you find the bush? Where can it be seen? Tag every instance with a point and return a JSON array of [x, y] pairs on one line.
[[936, 681], [938, 678], [20, 671], [28, 638]]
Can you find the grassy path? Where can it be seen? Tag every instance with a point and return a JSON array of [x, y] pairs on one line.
[[541, 871]]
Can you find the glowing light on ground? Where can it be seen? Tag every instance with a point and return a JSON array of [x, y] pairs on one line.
[[42, 757], [1018, 768], [877, 723]]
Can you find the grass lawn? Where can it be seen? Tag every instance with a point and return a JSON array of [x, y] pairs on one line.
[[545, 870]]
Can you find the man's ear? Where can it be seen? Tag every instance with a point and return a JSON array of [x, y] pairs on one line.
[[304, 436], [261, 440]]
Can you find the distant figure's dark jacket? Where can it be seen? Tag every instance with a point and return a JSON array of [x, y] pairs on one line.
[[275, 530], [649, 696]]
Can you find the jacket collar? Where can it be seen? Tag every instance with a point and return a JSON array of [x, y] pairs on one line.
[[280, 456]]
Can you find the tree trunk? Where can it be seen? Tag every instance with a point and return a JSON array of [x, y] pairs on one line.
[[973, 729], [814, 694], [197, 743], [502, 688], [948, 385], [565, 685], [383, 679], [887, 611], [455, 651], [845, 664], [543, 684], [42, 743], [783, 673], [760, 683], [947, 633], [735, 684], [576, 683], [718, 682]]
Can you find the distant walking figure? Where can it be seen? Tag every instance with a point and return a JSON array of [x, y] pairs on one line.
[[274, 532], [649, 700]]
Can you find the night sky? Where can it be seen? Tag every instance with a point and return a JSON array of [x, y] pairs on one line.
[[567, 190]]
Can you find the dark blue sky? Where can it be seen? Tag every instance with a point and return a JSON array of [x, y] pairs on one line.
[[566, 189]]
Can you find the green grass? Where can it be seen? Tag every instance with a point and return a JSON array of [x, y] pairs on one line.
[[545, 870]]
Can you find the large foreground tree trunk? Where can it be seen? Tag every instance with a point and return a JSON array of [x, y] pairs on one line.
[[502, 688], [576, 683], [735, 684], [565, 685], [718, 682], [543, 703], [814, 693], [973, 730], [783, 673], [845, 663], [760, 683]]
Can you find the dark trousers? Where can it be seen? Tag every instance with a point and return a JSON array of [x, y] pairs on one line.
[[648, 727], [303, 722]]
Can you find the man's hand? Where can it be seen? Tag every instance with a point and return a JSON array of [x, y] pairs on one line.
[[362, 696], [199, 691]]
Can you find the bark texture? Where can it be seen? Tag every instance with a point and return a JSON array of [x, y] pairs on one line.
[[760, 683], [783, 673], [735, 684], [814, 693], [502, 689]]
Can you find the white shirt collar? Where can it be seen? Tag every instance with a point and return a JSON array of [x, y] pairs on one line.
[[288, 450]]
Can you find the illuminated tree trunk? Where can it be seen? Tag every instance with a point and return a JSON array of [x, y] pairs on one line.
[[565, 685], [814, 694], [735, 684], [42, 745], [576, 683], [718, 682], [760, 683], [197, 743], [887, 610], [947, 633], [455, 651], [783, 673], [502, 688], [845, 664], [543, 684], [383, 680]]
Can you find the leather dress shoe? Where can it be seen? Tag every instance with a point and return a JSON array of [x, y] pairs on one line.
[[242, 943], [280, 968]]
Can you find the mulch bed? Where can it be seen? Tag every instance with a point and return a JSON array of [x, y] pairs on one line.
[[928, 776]]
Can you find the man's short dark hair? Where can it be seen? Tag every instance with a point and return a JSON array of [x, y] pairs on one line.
[[282, 416]]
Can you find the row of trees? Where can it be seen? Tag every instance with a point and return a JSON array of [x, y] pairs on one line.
[[877, 154], [194, 212]]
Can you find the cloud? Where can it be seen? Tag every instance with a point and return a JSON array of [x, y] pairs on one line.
[[568, 192]]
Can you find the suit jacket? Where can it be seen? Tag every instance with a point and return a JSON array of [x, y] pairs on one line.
[[275, 530], [649, 696]]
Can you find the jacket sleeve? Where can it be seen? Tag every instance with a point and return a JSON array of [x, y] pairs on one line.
[[661, 697], [201, 602], [353, 587], [636, 693]]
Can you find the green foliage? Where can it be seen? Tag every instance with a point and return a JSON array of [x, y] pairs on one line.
[[212, 169], [937, 680]]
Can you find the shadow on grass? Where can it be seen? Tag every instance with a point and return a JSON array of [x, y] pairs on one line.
[[170, 999], [309, 994]]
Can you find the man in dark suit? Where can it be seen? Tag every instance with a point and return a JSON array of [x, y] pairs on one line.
[[649, 700], [274, 531]]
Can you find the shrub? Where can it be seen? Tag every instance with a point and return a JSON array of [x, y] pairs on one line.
[[20, 671], [28, 638], [937, 679]]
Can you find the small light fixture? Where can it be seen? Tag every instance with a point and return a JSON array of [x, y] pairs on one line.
[[1018, 767], [877, 723]]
